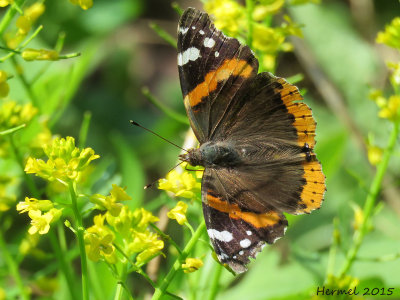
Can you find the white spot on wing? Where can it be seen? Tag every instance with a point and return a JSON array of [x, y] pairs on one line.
[[216, 53], [241, 252], [193, 27], [245, 243], [249, 232], [234, 257], [201, 32], [190, 54], [223, 236], [223, 256], [183, 30], [209, 43]]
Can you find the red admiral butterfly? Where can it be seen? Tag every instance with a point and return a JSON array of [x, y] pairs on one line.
[[256, 142]]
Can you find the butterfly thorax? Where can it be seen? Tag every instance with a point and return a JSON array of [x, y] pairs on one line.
[[212, 154]]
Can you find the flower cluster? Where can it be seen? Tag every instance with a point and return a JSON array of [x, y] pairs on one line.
[[391, 35], [65, 161], [389, 107], [84, 4], [123, 226], [13, 114], [267, 41], [183, 184]]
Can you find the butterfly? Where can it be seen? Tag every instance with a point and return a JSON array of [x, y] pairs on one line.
[[256, 142]]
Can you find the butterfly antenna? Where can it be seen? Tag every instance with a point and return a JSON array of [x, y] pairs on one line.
[[151, 184], [138, 125]]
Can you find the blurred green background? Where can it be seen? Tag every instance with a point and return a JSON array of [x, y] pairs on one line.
[[340, 62]]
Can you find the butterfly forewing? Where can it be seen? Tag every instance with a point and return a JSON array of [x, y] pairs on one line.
[[213, 69]]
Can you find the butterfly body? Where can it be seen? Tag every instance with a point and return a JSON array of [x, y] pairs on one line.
[[256, 142], [214, 154]]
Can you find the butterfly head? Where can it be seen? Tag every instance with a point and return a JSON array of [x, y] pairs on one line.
[[193, 157]]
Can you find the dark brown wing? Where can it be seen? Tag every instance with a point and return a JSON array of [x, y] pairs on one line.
[[238, 222], [275, 133], [213, 70]]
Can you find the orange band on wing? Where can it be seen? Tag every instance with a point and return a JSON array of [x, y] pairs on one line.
[[230, 67], [257, 220], [303, 120], [314, 189]]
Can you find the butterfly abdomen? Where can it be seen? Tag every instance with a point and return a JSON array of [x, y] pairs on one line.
[[214, 154]]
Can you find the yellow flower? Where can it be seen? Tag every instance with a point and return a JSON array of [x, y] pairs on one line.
[[41, 54], [84, 4], [142, 218], [266, 39], [374, 154], [4, 3], [192, 265], [230, 16], [147, 244], [267, 8], [41, 223], [31, 14], [391, 35], [66, 162], [391, 110], [99, 241], [100, 246], [34, 204], [178, 213], [181, 184], [110, 203]]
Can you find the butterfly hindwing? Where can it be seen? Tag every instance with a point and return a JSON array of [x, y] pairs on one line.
[[213, 70], [237, 233]]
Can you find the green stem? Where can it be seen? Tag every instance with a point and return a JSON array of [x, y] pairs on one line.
[[13, 268], [28, 179], [65, 268], [215, 282], [120, 285], [87, 116], [166, 237], [9, 15], [80, 231], [169, 112], [332, 252], [135, 267], [370, 201], [12, 130], [161, 290], [249, 11], [163, 34]]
